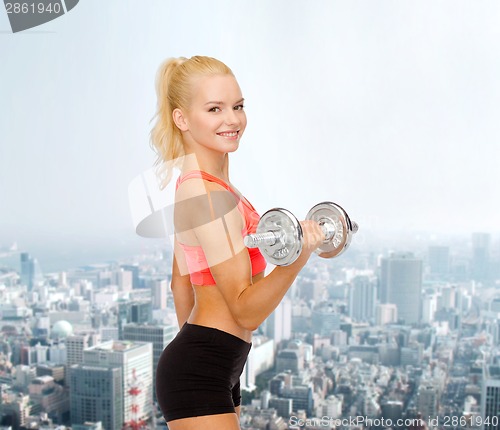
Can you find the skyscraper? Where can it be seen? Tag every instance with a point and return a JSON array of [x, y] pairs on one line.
[[362, 295], [439, 261], [27, 270], [490, 397], [75, 344], [279, 323], [96, 394], [160, 336], [428, 401], [138, 311], [480, 256], [136, 362], [159, 289], [401, 284]]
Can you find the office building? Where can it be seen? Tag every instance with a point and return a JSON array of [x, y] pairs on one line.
[[401, 284], [136, 362], [362, 296], [439, 261], [97, 394], [428, 401], [139, 312], [28, 270], [480, 256], [159, 336], [75, 344], [490, 397], [279, 323]]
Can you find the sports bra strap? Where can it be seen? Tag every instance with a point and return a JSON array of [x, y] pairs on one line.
[[206, 176]]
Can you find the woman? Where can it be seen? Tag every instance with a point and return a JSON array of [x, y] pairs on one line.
[[220, 292]]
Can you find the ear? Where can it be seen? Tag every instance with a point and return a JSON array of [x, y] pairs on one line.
[[179, 120]]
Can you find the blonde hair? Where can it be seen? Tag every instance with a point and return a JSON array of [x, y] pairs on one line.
[[174, 81]]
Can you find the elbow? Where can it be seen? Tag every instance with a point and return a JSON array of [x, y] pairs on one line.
[[246, 321], [248, 325]]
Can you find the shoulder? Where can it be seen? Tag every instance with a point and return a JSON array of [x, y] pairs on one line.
[[199, 202]]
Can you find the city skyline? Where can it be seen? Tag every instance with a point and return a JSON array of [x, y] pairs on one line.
[[389, 110], [335, 348]]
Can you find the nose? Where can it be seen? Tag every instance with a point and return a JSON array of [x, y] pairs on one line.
[[232, 117]]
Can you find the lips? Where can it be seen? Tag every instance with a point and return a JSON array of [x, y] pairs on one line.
[[229, 134]]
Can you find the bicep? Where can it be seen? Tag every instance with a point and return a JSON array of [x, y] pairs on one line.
[[222, 243]]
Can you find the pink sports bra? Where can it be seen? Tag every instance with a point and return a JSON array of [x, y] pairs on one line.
[[196, 261]]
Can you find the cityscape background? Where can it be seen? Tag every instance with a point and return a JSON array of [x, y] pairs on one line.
[[387, 108]]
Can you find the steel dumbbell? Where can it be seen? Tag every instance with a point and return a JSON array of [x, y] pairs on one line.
[[279, 234]]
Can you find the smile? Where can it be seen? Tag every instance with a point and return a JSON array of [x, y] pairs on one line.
[[229, 134]]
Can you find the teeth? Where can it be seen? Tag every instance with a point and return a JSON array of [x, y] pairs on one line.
[[232, 134]]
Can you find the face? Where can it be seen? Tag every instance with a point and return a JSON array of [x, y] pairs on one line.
[[215, 119]]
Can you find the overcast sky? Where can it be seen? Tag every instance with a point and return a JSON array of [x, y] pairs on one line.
[[389, 108]]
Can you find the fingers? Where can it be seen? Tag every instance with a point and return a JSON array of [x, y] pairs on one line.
[[313, 235]]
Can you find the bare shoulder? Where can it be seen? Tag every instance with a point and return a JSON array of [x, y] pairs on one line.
[[199, 202]]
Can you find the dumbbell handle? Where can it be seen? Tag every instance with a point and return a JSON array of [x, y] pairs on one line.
[[271, 237]]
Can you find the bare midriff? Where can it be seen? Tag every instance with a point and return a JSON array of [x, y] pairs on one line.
[[211, 310]]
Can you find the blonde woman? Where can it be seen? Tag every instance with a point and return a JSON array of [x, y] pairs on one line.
[[220, 292]]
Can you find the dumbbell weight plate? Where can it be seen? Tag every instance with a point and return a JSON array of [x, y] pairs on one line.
[[343, 228], [289, 232]]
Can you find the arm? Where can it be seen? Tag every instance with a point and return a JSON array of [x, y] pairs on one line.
[[181, 286], [250, 304]]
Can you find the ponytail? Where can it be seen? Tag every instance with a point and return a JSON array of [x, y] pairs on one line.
[[166, 138]]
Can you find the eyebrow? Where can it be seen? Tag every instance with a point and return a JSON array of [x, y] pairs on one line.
[[221, 103]]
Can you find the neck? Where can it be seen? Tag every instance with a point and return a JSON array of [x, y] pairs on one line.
[[216, 164]]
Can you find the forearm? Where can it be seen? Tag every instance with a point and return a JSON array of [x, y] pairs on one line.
[[258, 301]]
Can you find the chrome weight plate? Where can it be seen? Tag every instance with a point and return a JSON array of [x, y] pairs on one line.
[[288, 232], [337, 226]]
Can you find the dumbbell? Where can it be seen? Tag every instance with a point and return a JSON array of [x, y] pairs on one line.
[[279, 233]]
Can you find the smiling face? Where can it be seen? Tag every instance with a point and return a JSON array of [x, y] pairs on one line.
[[215, 119]]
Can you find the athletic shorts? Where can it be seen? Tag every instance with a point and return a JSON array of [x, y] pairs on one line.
[[199, 373]]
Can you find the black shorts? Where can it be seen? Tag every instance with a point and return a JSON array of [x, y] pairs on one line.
[[199, 373]]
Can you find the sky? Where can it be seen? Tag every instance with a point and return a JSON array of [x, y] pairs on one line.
[[390, 109]]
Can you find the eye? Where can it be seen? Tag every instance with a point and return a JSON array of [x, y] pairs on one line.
[[239, 107], [214, 109]]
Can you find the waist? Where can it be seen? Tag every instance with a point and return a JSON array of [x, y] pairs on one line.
[[202, 331]]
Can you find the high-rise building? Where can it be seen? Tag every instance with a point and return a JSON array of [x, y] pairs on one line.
[[158, 335], [27, 270], [439, 261], [136, 361], [75, 344], [279, 323], [490, 397], [96, 394], [362, 295], [480, 256], [401, 284], [159, 292], [302, 398], [283, 406], [134, 268], [139, 312], [428, 401], [325, 320], [260, 359]]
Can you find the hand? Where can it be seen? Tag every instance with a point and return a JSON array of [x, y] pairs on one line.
[[313, 236]]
